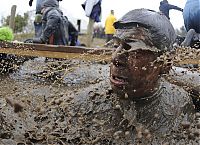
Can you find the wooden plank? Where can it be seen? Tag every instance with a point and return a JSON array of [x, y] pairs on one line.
[[63, 55], [54, 48], [55, 51]]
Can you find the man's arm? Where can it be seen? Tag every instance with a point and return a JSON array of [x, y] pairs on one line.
[[188, 39], [175, 8], [189, 80], [184, 77]]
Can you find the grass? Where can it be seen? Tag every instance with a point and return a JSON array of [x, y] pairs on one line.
[[96, 43], [23, 36]]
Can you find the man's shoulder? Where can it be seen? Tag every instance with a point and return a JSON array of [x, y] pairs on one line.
[[174, 91], [175, 98]]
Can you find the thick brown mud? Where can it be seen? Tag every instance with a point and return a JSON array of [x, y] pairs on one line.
[[71, 102]]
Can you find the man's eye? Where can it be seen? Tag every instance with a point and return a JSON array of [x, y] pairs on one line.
[[129, 41], [126, 46], [116, 45]]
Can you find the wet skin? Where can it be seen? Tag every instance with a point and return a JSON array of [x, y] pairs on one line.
[[134, 71]]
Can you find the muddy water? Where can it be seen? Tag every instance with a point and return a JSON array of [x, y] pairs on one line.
[[71, 102], [33, 99]]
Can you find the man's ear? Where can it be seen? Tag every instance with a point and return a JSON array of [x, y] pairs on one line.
[[165, 62], [166, 66]]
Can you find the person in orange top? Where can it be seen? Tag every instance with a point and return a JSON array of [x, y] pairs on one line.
[[109, 28]]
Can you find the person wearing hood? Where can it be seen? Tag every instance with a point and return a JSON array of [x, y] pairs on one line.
[[54, 25], [38, 16], [38, 5], [109, 28], [165, 7]]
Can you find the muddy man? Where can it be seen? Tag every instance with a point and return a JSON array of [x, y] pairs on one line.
[[144, 107], [137, 69]]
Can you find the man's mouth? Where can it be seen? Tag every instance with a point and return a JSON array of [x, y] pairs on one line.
[[118, 80]]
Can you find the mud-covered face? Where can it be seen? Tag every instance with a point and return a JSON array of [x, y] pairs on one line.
[[134, 70]]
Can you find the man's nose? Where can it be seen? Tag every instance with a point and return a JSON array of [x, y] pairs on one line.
[[119, 58], [117, 51]]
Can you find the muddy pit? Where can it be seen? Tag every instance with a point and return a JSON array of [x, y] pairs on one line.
[[54, 102]]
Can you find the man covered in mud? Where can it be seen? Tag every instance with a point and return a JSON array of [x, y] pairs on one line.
[[138, 65], [139, 106], [38, 21]]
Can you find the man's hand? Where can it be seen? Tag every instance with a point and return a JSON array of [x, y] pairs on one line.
[[30, 2], [38, 40]]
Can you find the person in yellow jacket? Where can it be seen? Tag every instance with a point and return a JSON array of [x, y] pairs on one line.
[[109, 28]]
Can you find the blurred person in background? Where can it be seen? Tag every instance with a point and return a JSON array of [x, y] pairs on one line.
[[191, 16], [92, 10], [54, 25], [165, 7], [109, 28], [38, 16]]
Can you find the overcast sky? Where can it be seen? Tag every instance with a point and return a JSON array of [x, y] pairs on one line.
[[72, 8]]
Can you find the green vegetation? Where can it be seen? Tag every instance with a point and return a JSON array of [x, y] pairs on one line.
[[23, 36], [6, 34], [20, 22]]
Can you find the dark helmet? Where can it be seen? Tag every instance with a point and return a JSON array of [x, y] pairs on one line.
[[161, 30]]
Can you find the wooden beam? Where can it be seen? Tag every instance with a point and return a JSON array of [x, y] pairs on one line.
[[54, 48], [55, 51], [63, 55]]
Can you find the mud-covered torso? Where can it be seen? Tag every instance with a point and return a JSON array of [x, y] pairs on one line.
[[85, 111], [165, 113], [106, 117]]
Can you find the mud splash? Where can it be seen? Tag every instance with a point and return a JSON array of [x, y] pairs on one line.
[[41, 104]]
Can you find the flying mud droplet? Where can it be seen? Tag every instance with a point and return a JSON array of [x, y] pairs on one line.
[[126, 95]]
